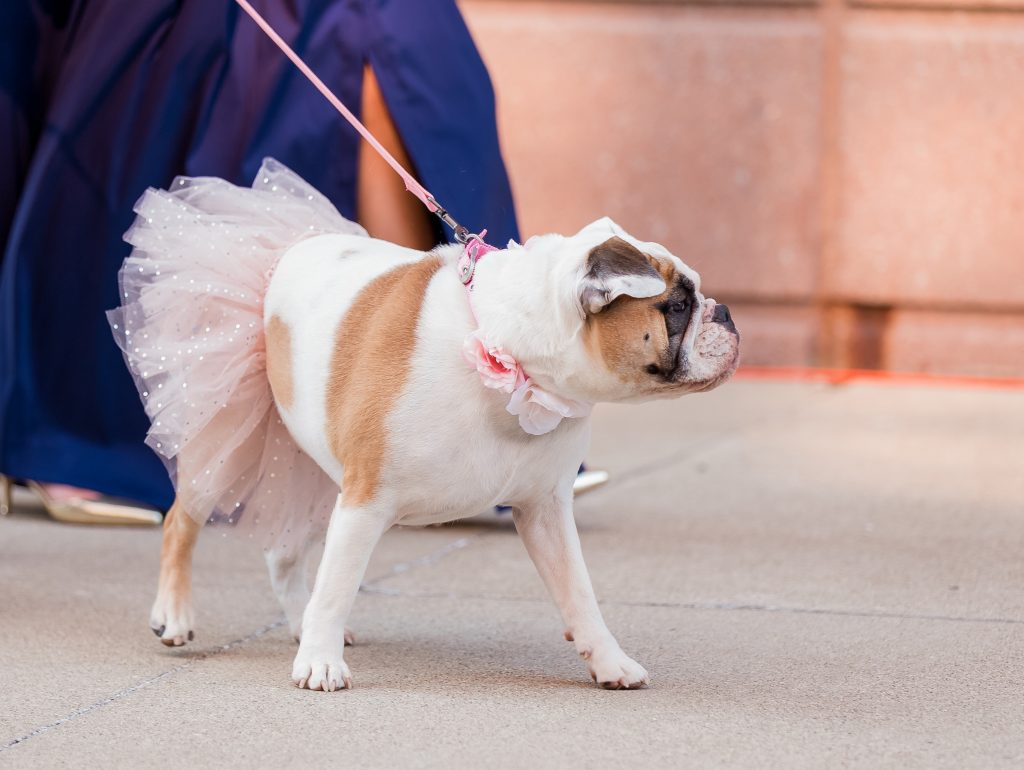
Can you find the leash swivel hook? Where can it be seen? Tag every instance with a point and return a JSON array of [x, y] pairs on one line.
[[462, 235]]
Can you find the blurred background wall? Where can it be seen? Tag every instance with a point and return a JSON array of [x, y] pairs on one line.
[[848, 176]]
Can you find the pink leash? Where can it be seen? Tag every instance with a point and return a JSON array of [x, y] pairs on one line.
[[462, 235], [539, 411]]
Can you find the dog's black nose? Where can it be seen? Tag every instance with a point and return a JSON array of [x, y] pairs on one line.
[[723, 318]]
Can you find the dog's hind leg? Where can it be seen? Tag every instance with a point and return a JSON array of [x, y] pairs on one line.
[[289, 568], [171, 617]]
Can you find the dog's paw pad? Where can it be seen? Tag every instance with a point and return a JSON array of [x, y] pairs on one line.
[[177, 639]]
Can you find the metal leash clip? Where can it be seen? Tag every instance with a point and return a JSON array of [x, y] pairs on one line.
[[471, 251], [462, 235]]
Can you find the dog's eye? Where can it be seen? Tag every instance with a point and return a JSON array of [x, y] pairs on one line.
[[678, 307], [653, 369]]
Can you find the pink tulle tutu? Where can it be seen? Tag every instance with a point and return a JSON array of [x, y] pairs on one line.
[[191, 328]]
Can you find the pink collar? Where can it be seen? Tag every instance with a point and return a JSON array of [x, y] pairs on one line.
[[473, 252], [539, 411]]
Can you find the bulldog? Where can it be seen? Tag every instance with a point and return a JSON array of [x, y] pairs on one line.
[[429, 387]]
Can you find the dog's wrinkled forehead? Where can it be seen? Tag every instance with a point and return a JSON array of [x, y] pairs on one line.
[[600, 231]]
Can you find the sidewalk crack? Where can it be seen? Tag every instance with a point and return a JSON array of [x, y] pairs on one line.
[[708, 606], [427, 560], [122, 694]]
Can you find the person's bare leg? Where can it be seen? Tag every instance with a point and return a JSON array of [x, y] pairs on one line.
[[385, 208]]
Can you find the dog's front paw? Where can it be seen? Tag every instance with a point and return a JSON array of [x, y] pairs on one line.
[[615, 670], [315, 671], [171, 619]]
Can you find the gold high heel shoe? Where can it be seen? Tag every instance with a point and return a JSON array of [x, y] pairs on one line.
[[82, 510]]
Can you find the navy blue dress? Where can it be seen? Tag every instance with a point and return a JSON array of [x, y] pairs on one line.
[[101, 99]]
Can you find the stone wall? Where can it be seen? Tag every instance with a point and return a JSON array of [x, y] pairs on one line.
[[848, 176]]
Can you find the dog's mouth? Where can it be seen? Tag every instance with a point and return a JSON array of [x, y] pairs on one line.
[[712, 358], [722, 377]]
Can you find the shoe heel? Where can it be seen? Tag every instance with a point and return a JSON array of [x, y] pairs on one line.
[[5, 495]]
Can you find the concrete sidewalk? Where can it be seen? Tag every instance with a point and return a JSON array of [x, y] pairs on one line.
[[815, 576]]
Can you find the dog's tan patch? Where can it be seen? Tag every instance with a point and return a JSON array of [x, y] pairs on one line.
[[630, 334], [279, 361], [665, 268], [369, 368]]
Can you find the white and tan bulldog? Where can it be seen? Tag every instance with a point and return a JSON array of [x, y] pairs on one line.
[[426, 403]]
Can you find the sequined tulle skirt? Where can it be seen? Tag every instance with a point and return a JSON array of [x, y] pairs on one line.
[[191, 328]]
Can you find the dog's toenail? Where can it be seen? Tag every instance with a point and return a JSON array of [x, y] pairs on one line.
[[191, 636], [159, 631]]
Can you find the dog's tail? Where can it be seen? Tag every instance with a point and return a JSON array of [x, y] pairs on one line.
[[191, 328]]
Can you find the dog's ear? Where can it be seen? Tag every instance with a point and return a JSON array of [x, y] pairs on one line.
[[615, 268], [604, 225]]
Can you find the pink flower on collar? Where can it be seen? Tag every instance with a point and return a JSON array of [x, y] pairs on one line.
[[540, 411], [497, 369]]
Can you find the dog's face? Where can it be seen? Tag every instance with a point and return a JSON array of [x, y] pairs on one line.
[[644, 329]]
